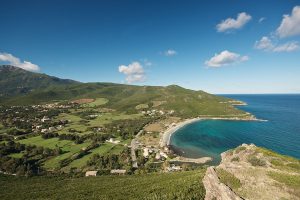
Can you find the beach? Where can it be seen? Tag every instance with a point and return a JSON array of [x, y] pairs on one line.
[[166, 136], [165, 140]]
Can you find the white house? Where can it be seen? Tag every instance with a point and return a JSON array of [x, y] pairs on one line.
[[118, 171], [91, 173], [146, 152], [45, 119]]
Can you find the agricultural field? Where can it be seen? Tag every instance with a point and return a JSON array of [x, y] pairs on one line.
[[96, 102], [177, 185], [101, 150], [69, 148]]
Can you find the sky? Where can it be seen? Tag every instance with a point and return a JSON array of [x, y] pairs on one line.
[[222, 47]]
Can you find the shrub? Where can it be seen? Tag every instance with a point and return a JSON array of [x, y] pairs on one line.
[[228, 179], [239, 149], [256, 161], [235, 159]]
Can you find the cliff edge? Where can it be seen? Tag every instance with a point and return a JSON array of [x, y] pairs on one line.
[[251, 172]]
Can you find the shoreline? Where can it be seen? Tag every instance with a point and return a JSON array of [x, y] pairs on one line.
[[166, 137]]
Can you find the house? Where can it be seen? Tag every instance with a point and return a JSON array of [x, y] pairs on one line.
[[146, 152], [118, 171], [91, 173], [173, 168], [44, 130], [45, 119], [38, 127], [162, 154], [52, 129], [111, 140], [157, 156]]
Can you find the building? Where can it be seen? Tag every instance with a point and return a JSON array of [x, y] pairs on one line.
[[44, 130], [111, 140], [45, 119], [91, 173], [118, 171], [146, 152]]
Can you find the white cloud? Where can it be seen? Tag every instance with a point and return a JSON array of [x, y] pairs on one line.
[[264, 43], [12, 60], [290, 24], [261, 19], [225, 58], [287, 47], [170, 52], [230, 23], [267, 45], [134, 72]]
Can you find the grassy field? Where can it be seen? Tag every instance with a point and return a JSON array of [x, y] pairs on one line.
[[49, 143], [97, 102], [68, 147], [53, 163], [178, 185], [79, 163], [104, 118], [109, 117]]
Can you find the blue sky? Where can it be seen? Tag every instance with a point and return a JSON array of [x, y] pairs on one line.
[[217, 46]]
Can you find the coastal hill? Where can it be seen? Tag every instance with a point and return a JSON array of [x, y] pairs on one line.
[[16, 81], [246, 172], [20, 87]]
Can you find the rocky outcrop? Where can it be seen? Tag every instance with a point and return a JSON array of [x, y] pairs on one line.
[[215, 190], [251, 172]]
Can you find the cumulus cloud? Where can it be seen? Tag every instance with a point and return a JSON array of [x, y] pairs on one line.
[[170, 52], [225, 58], [230, 23], [266, 44], [12, 60], [134, 72], [290, 24]]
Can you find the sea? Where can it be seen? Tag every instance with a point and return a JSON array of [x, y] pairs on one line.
[[280, 133]]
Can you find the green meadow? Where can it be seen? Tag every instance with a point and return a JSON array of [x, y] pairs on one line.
[[177, 185]]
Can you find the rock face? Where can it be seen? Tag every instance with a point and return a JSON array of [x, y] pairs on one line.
[[251, 172], [215, 190]]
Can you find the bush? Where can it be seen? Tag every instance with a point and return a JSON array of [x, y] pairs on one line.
[[256, 161], [235, 159], [228, 179], [239, 149]]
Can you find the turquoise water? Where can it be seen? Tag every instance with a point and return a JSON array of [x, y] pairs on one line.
[[281, 132]]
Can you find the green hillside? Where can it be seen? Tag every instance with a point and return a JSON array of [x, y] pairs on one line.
[[19, 87], [16, 81], [177, 185]]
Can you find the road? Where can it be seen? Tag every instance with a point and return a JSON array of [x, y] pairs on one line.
[[133, 148]]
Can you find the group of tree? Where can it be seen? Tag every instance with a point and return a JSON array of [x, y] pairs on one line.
[[29, 161]]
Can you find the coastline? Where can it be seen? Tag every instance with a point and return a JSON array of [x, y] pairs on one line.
[[166, 137]]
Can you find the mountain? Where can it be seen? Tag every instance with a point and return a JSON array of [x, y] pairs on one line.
[[16, 81], [20, 87]]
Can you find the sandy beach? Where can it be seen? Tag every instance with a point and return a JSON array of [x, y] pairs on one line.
[[165, 139]]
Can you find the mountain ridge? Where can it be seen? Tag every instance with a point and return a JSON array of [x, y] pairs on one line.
[[41, 88]]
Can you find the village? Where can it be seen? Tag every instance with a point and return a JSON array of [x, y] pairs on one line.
[[133, 138]]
